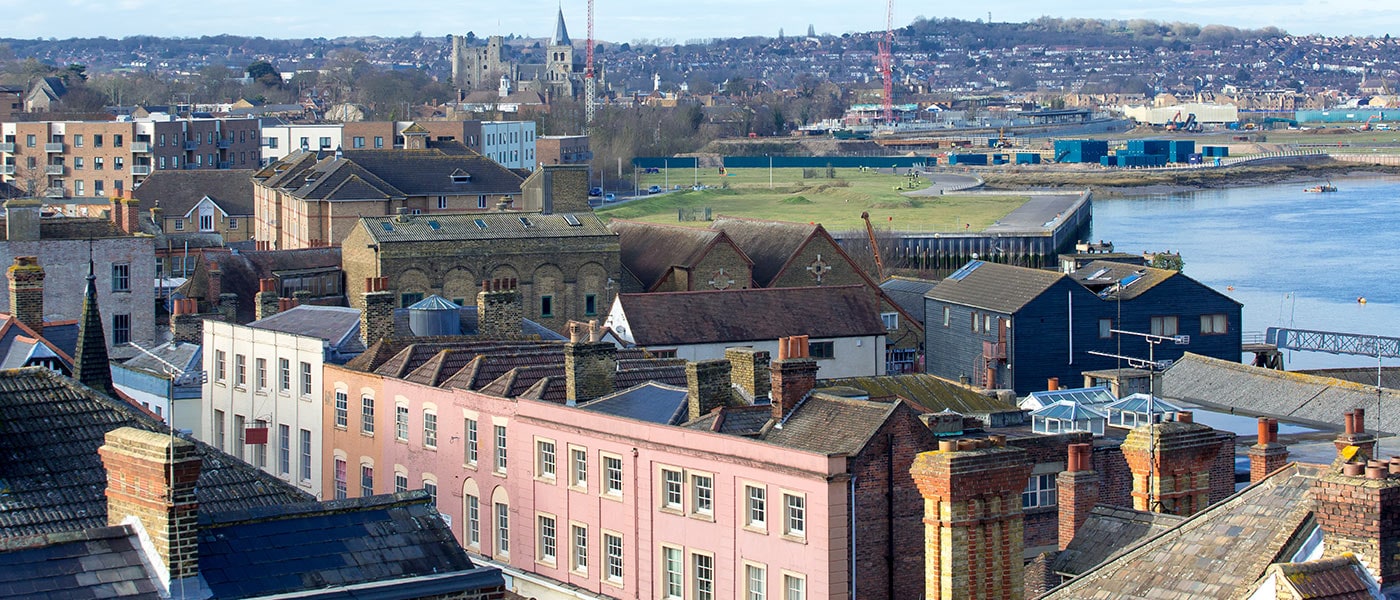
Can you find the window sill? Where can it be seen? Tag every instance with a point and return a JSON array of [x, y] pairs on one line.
[[613, 583], [759, 529], [671, 510], [699, 516], [367, 434], [615, 497], [799, 539], [580, 489], [547, 479]]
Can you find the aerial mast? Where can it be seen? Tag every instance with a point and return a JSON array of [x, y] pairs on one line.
[[589, 84], [887, 61]]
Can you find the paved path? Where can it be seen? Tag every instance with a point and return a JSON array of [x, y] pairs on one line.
[[940, 183]]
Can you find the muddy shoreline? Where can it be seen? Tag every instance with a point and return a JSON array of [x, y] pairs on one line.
[[1120, 183]]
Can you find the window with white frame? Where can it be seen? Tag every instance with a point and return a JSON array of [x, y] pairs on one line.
[[284, 449], [305, 454], [239, 429], [260, 450], [430, 486], [469, 425], [502, 528], [579, 555], [578, 468], [401, 423], [1213, 325], [442, 202], [612, 545], [891, 320], [672, 489], [1164, 326], [794, 515], [340, 492], [219, 429], [672, 574], [220, 360], [284, 375], [342, 410], [1040, 491], [755, 582], [501, 459], [702, 570], [240, 370], [756, 506], [612, 475], [261, 368], [473, 508], [544, 459], [367, 414], [702, 494], [794, 587], [400, 482], [547, 547], [366, 481], [429, 429], [305, 378], [947, 316]]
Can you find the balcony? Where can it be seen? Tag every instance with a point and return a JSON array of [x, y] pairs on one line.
[[224, 144], [225, 164], [140, 147], [140, 169], [54, 169], [189, 166], [191, 145], [55, 192], [994, 350], [7, 169], [53, 147], [7, 146]]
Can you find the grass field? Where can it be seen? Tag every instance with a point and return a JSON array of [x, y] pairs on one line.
[[835, 203]]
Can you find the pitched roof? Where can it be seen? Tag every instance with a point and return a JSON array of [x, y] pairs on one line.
[[995, 287], [19, 345], [50, 430], [1107, 532], [832, 425], [384, 539], [183, 355], [1340, 578], [468, 322], [1257, 391], [179, 191], [104, 562], [1217, 553], [747, 421], [90, 363], [429, 172], [731, 316], [908, 293], [491, 226], [1113, 279], [929, 391], [561, 33], [769, 244], [649, 251], [652, 402], [337, 326]]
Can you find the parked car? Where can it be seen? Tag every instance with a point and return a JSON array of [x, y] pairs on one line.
[[595, 191], [609, 197], [655, 189]]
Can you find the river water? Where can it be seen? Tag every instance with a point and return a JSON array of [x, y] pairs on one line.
[[1294, 259]]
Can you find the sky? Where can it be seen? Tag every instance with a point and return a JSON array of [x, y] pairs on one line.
[[633, 20]]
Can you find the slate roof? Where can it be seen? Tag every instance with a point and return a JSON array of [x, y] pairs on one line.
[[19, 343], [652, 402], [50, 430], [769, 244], [179, 191], [338, 326], [183, 355], [832, 425], [1340, 578], [1107, 532], [1256, 391], [1217, 553], [499, 225], [929, 391], [649, 251], [429, 172], [908, 293], [995, 287], [1105, 275], [732, 316], [379, 539], [104, 562], [747, 421]]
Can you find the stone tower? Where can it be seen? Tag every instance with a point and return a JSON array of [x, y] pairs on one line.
[[559, 64]]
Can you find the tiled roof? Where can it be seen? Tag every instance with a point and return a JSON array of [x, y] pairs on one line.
[[498, 225], [1101, 273], [832, 425], [908, 293], [649, 251], [660, 373], [179, 191], [516, 381], [1256, 391], [745, 421], [1217, 553], [732, 316], [652, 402], [996, 287], [50, 430], [929, 391], [18, 343], [286, 549], [769, 244], [1107, 532], [105, 562], [1340, 578], [429, 172]]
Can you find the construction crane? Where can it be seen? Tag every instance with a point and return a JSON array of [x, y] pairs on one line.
[[874, 245], [887, 61], [590, 92]]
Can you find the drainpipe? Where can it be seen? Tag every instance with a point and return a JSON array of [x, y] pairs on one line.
[[889, 512], [636, 530], [851, 508]]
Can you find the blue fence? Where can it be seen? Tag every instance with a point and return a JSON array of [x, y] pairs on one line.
[[787, 162]]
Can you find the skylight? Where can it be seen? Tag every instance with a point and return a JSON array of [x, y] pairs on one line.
[[526, 222], [434, 225], [572, 221], [480, 224], [387, 226], [966, 270]]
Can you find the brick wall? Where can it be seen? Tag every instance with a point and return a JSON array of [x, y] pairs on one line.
[[152, 477], [1172, 466], [589, 370], [889, 545], [749, 371], [1222, 471], [1115, 478], [27, 292], [1040, 578], [1361, 515]]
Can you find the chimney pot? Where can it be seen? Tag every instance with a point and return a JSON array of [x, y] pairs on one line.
[[1360, 420], [1184, 416], [1353, 469], [1350, 418], [947, 445], [1264, 430], [1373, 472], [1052, 384], [997, 440]]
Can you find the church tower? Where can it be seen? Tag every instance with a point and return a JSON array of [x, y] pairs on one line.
[[559, 66]]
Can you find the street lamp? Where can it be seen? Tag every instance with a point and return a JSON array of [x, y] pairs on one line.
[[770, 171]]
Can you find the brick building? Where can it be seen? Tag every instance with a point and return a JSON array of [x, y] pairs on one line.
[[563, 150], [206, 201], [512, 144]]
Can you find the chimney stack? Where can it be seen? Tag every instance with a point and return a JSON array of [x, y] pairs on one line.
[[1266, 455], [151, 479], [1357, 505], [498, 310], [1171, 464], [749, 372], [974, 531], [794, 375], [590, 365], [118, 212], [27, 292], [1355, 433], [265, 302], [22, 220], [377, 317], [215, 288], [185, 323], [1077, 489], [708, 383], [131, 215]]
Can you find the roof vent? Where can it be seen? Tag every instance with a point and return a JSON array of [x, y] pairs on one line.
[[402, 216]]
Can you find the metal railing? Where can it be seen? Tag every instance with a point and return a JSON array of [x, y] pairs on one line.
[[53, 147], [53, 169], [140, 169], [139, 147], [7, 146]]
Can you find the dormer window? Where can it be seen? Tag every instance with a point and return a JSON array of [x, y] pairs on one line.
[[460, 176]]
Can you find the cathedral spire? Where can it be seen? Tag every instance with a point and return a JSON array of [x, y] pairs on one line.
[[90, 363], [561, 33]]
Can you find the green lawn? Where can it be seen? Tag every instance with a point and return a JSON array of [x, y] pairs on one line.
[[835, 203]]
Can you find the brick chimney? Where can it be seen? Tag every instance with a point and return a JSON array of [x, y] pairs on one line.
[[1077, 491], [22, 220], [185, 323], [974, 531], [1171, 464], [131, 214], [1355, 433], [590, 365], [749, 371], [794, 375], [1266, 455], [151, 479], [118, 212], [1357, 505], [377, 317], [27, 292], [708, 383], [498, 310], [215, 287], [265, 301]]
